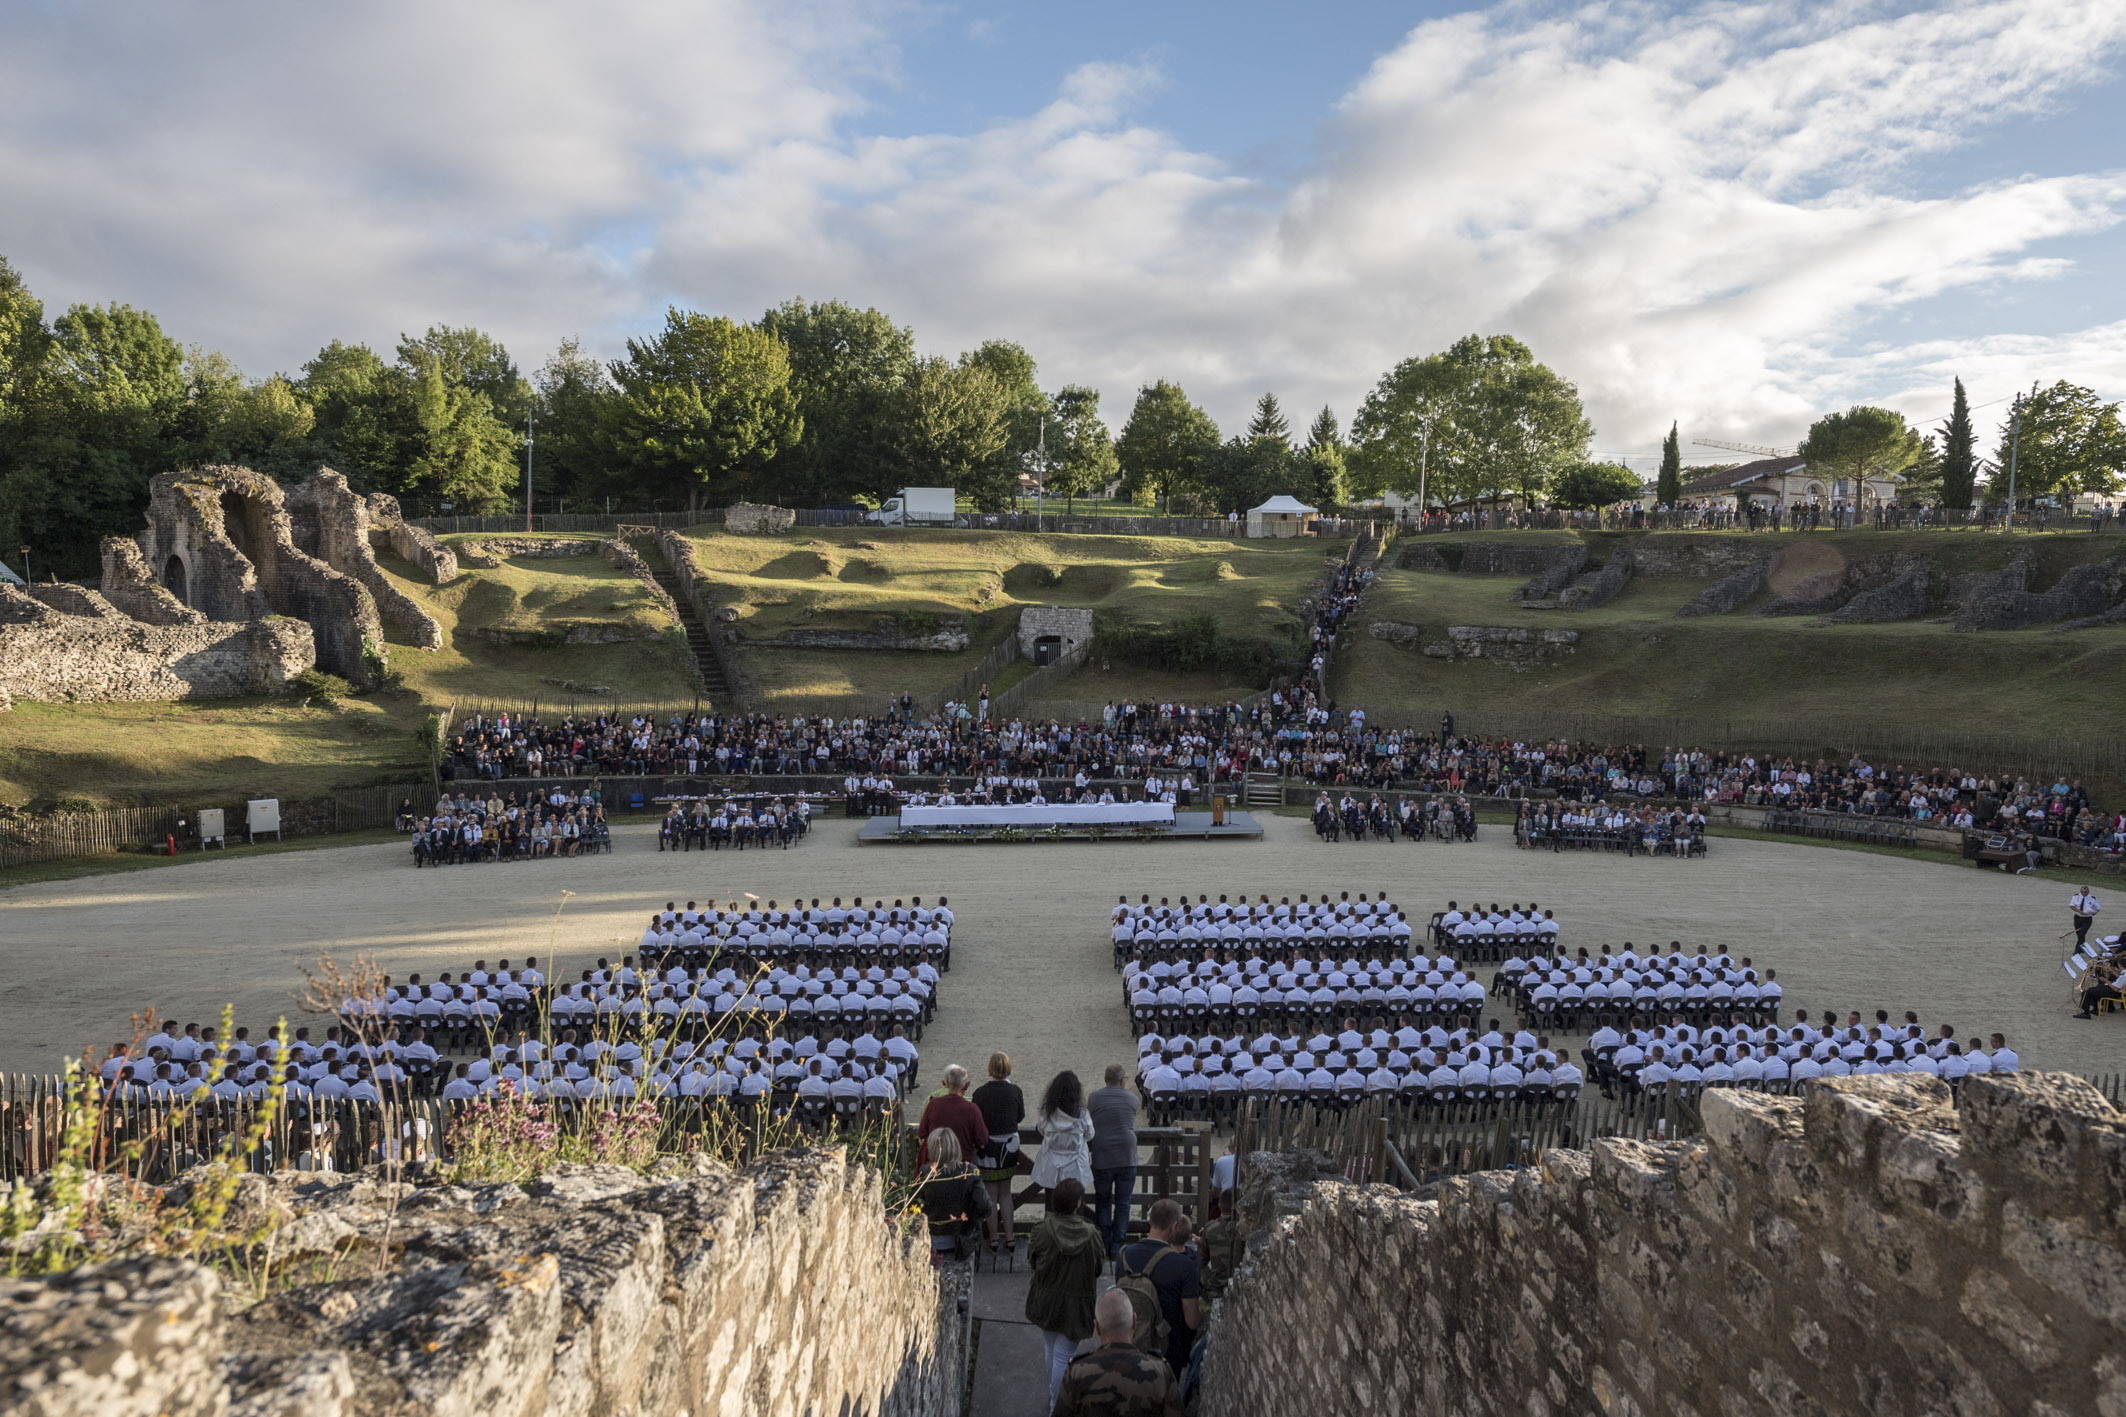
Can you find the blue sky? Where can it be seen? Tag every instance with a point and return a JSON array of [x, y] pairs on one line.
[[1732, 217]]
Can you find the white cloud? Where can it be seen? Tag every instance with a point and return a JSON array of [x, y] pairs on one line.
[[1690, 212]]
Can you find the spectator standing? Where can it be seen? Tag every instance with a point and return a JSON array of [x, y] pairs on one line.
[[1116, 1379], [1174, 1277], [952, 1197], [1066, 1256], [1114, 1157], [952, 1111], [1003, 1109], [2084, 908], [1066, 1134]]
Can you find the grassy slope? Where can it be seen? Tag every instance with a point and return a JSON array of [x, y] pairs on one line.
[[119, 753], [1635, 658], [845, 578]]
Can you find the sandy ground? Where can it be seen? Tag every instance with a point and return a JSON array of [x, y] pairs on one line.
[[1031, 970]]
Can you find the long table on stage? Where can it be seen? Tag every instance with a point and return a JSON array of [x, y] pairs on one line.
[[1038, 814]]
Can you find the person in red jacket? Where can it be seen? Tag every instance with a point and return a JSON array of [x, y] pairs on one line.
[[954, 1111]]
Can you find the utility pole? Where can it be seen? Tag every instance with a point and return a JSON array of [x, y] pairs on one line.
[[1040, 458], [2015, 438], [527, 472], [1424, 452]]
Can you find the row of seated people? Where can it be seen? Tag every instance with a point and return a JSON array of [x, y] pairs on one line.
[[1564, 992], [1774, 1055], [1385, 819], [585, 1064], [1147, 931], [1226, 992], [1206, 1077], [1597, 826], [1487, 934], [736, 822], [819, 934], [469, 831]]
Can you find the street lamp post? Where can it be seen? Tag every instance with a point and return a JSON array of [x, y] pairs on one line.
[[2015, 438], [25, 565], [527, 472]]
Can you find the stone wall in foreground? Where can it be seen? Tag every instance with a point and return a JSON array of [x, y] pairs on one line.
[[774, 1291], [1873, 1250], [80, 649]]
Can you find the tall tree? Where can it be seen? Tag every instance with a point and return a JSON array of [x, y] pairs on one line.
[[1024, 403], [2072, 442], [1668, 488], [1959, 460], [1498, 421], [574, 393], [1081, 453], [1860, 444], [470, 359], [459, 450], [848, 367], [1922, 480], [1594, 484], [24, 344], [1325, 459], [956, 426], [1164, 444], [704, 408], [363, 411], [1269, 421]]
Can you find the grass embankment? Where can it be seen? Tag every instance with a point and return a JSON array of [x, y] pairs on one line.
[[848, 578], [116, 754], [1636, 659]]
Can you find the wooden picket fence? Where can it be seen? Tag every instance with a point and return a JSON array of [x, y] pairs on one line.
[[27, 839]]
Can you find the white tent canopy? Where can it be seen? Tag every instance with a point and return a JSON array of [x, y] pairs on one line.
[[8, 576], [1289, 506], [1280, 516]]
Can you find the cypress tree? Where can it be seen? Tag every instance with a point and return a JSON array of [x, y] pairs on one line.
[[1668, 490], [1959, 469]]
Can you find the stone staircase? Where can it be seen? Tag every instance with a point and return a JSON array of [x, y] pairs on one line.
[[714, 687], [1263, 789]]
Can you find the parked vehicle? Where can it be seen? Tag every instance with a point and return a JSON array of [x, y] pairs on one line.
[[918, 506]]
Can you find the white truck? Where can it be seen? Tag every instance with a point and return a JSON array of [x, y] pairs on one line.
[[916, 506]]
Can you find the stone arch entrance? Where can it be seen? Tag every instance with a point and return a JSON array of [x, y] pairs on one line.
[[241, 517], [173, 578], [1047, 649]]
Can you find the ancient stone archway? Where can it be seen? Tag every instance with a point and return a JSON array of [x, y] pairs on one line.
[[173, 578]]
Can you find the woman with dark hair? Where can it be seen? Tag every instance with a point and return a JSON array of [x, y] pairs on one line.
[[1066, 1134], [1067, 1255], [1003, 1108]]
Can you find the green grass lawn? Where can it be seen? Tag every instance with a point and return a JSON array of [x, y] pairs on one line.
[[847, 578]]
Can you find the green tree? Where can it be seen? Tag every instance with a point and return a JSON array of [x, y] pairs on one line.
[[1922, 480], [1269, 421], [1594, 484], [1959, 461], [363, 414], [2072, 442], [1081, 452], [24, 345], [956, 425], [1498, 421], [1024, 408], [1668, 488], [1325, 460], [1164, 444], [1244, 472], [574, 393], [848, 367], [1859, 444], [460, 451], [704, 407], [469, 359]]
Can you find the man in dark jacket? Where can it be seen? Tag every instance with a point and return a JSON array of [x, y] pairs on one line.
[[1114, 1156], [1115, 1380]]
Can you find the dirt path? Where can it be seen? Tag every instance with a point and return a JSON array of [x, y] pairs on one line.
[[1031, 967]]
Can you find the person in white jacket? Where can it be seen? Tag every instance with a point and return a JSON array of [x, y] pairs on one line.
[[1066, 1134]]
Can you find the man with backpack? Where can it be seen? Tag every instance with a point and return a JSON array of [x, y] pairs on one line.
[[1164, 1286], [1117, 1379]]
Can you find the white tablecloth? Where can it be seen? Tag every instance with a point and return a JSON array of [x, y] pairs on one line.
[[1030, 814]]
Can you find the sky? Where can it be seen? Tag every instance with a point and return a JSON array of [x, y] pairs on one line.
[[1730, 216]]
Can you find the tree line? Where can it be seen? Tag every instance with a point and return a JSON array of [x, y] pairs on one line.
[[819, 403]]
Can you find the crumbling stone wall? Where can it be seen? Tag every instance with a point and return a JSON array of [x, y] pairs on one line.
[[334, 524], [1872, 1250], [1730, 591], [386, 524], [774, 1291], [79, 648], [1511, 644], [2082, 592], [1513, 558], [129, 585], [757, 519], [1599, 587], [224, 534], [1695, 556], [1905, 596], [489, 552]]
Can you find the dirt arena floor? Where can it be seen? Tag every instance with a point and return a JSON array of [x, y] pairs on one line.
[[1031, 962]]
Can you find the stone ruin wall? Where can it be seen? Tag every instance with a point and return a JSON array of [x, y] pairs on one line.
[[769, 1292], [340, 527], [66, 644], [1875, 1249]]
